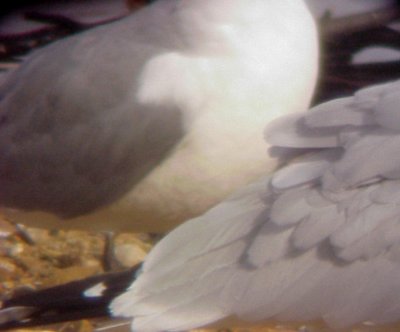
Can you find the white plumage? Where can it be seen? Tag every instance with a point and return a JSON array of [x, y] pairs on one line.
[[318, 240], [137, 125]]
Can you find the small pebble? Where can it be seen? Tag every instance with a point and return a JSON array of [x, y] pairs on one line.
[[129, 255]]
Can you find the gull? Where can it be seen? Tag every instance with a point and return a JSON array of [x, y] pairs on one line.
[[143, 123], [318, 240]]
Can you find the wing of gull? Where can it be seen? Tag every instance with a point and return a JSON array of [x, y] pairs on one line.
[[135, 125], [319, 239]]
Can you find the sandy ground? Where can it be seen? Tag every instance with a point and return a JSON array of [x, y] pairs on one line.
[[59, 257]]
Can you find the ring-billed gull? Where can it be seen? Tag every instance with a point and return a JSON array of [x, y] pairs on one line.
[[136, 125]]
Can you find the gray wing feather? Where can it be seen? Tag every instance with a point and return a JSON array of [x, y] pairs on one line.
[[295, 134], [338, 112], [384, 114], [290, 207], [387, 192]]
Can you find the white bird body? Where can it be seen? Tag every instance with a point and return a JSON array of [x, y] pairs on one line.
[[319, 239], [143, 123]]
